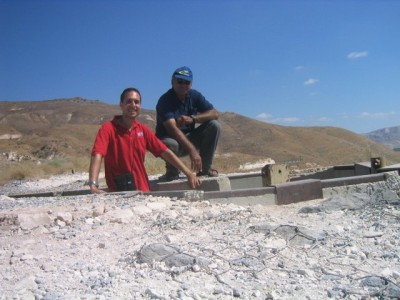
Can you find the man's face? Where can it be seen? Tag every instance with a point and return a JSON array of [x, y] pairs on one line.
[[181, 86], [131, 105]]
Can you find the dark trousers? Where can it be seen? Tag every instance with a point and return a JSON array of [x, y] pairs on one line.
[[204, 138]]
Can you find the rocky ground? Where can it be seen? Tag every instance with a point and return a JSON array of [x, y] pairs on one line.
[[130, 246]]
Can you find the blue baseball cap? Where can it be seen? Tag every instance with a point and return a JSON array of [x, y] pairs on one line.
[[183, 73]]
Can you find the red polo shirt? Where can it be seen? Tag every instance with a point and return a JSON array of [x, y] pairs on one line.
[[124, 151]]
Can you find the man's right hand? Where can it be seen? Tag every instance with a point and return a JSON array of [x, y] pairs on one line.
[[183, 120]]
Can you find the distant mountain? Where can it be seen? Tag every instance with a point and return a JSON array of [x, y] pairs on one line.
[[67, 127], [389, 136]]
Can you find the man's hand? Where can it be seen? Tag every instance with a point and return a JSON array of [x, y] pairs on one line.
[[170, 157], [95, 190], [184, 120], [196, 161], [193, 181], [176, 133]]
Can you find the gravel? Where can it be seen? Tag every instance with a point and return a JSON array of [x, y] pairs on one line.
[[130, 246]]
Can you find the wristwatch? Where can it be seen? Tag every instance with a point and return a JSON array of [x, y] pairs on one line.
[[93, 182], [194, 120]]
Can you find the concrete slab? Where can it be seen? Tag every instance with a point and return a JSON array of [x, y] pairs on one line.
[[39, 194], [395, 167], [298, 191], [240, 193], [352, 180], [189, 195], [52, 194], [334, 172], [268, 199], [362, 169], [219, 189], [246, 181], [342, 171], [220, 183]]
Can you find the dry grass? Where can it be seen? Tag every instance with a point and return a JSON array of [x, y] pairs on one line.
[[154, 166], [27, 169], [228, 163], [65, 129]]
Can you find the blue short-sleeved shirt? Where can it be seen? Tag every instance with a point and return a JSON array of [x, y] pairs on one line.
[[170, 107]]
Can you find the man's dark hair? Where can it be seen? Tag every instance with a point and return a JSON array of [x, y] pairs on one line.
[[127, 90]]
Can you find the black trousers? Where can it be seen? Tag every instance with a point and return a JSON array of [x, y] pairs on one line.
[[204, 137]]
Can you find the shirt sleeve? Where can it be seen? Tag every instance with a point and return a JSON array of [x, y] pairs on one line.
[[102, 140], [200, 102], [153, 144], [164, 111]]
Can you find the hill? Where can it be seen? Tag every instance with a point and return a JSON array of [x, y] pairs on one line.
[[388, 136], [66, 128]]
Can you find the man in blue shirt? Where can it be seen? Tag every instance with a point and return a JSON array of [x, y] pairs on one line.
[[187, 124]]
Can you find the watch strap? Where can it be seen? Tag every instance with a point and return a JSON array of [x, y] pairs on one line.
[[93, 182]]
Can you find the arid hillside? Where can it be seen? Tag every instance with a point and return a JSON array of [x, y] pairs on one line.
[[389, 136], [65, 128]]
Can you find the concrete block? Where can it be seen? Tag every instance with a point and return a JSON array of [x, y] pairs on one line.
[[342, 171], [220, 183], [377, 163], [268, 199], [298, 191], [240, 193], [246, 181], [395, 167], [345, 181], [274, 174], [189, 195], [361, 169], [328, 173]]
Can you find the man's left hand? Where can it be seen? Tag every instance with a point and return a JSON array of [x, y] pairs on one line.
[[193, 181]]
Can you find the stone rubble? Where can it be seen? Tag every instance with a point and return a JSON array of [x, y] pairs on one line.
[[131, 246]]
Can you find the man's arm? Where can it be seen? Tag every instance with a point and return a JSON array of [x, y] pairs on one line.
[[173, 125], [176, 133], [94, 170], [170, 157], [208, 115]]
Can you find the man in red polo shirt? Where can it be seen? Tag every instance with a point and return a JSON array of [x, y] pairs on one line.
[[123, 143]]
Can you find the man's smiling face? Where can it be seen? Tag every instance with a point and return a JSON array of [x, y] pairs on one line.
[[131, 105]]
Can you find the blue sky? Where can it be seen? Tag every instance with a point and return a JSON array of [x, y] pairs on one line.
[[292, 63]]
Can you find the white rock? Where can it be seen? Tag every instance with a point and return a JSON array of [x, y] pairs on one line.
[[141, 210], [196, 268], [28, 221], [61, 223], [98, 210], [26, 283], [387, 272], [122, 216], [157, 206], [65, 217]]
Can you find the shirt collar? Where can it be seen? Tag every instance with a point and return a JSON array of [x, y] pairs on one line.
[[117, 122]]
